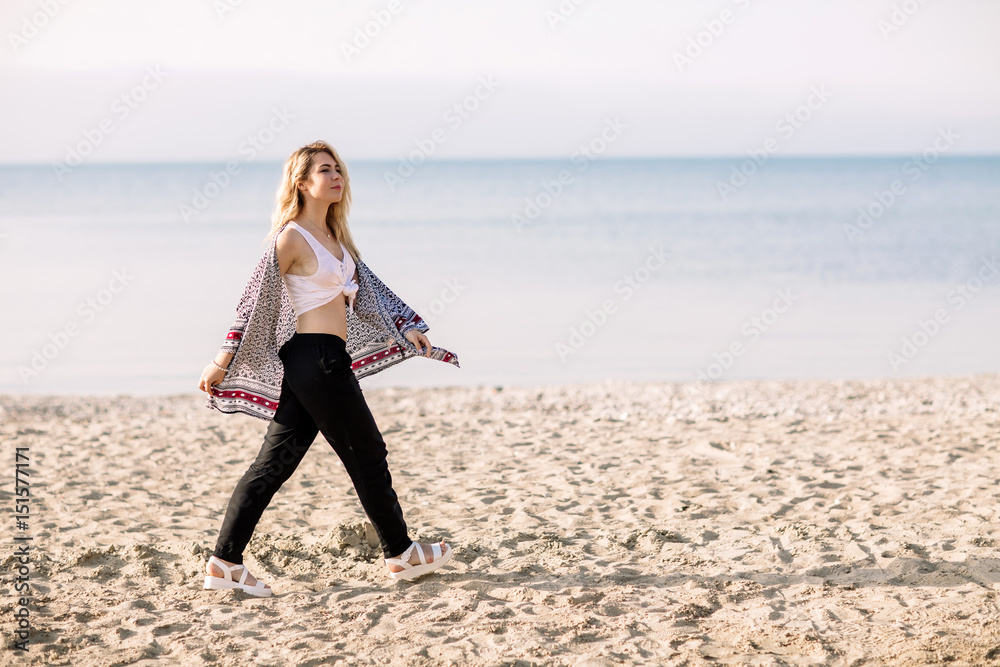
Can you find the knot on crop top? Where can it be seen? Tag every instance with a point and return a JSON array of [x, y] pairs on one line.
[[330, 279]]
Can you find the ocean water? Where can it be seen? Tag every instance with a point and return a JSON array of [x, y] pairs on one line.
[[533, 272]]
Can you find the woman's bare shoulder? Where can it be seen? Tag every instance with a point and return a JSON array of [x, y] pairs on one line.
[[290, 238], [288, 246]]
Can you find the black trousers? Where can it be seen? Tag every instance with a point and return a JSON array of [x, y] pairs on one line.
[[319, 393]]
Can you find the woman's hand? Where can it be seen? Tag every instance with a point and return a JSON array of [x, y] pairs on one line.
[[211, 376], [420, 341]]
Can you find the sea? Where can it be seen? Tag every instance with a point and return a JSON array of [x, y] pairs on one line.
[[124, 278]]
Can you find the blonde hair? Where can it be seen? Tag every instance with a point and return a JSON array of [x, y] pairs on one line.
[[289, 202]]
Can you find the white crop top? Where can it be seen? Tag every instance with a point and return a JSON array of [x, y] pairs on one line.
[[331, 278]]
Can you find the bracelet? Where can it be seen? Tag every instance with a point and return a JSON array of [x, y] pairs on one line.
[[224, 370]]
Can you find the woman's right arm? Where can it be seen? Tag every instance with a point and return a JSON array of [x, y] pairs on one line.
[[287, 249], [212, 373]]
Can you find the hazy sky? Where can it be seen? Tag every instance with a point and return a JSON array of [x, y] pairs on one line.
[[220, 69]]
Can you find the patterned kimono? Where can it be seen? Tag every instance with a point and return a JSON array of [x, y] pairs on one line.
[[265, 320]]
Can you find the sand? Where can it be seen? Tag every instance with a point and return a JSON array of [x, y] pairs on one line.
[[737, 523]]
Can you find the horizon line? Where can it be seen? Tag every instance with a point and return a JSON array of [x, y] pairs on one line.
[[618, 158]]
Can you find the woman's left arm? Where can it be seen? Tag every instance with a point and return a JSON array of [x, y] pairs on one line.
[[419, 341], [411, 331]]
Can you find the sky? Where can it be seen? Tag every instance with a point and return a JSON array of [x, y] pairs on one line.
[[215, 80]]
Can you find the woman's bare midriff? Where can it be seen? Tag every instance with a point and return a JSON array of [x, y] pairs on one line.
[[330, 318]]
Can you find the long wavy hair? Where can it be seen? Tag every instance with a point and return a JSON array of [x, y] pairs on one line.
[[289, 202]]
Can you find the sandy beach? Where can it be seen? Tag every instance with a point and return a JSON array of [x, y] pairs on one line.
[[737, 523]]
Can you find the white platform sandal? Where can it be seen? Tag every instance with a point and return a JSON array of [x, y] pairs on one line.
[[411, 571], [226, 582]]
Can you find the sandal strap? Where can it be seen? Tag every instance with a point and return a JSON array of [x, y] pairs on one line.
[[436, 550], [228, 569], [404, 558]]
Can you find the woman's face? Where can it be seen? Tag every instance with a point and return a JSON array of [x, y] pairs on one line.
[[324, 181]]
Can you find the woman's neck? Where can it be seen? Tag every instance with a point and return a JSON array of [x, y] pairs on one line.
[[315, 212]]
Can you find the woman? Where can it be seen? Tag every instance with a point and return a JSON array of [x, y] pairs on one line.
[[310, 315]]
